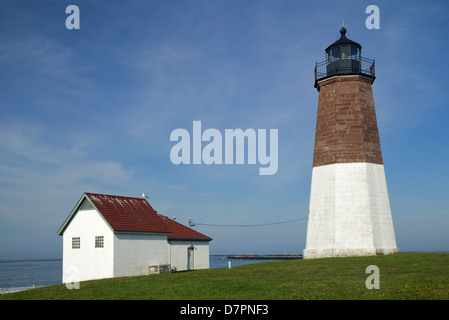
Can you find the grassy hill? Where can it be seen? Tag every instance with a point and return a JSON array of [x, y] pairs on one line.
[[404, 276]]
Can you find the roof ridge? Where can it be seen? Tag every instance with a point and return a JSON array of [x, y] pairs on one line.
[[113, 195]]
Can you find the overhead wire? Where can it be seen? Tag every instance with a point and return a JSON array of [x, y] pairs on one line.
[[243, 225]]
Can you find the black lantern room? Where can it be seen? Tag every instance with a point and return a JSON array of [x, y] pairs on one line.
[[344, 56]]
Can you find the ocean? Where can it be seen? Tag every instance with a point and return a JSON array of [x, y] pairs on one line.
[[17, 275]]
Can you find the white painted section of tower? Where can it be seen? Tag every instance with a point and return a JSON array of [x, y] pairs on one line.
[[349, 212]]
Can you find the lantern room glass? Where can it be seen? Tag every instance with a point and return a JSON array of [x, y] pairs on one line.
[[343, 59], [343, 52]]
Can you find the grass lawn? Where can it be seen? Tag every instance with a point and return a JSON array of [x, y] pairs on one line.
[[413, 275]]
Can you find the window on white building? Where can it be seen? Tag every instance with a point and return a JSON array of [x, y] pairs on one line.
[[76, 242], [99, 241]]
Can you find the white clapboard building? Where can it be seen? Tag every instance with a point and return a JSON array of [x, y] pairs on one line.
[[109, 236]]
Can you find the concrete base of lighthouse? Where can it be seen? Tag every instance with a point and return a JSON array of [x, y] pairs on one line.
[[349, 212]]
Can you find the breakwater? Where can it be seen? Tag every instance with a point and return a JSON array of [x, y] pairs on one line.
[[264, 256]]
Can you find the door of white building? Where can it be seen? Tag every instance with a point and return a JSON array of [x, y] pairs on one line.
[[190, 258]]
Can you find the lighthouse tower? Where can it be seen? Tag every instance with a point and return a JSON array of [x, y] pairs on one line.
[[349, 213]]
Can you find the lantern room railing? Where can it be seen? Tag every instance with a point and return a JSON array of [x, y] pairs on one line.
[[344, 66]]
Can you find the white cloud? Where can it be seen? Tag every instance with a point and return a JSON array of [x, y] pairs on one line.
[[40, 181]]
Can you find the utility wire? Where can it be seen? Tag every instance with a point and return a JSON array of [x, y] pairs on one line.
[[242, 225]]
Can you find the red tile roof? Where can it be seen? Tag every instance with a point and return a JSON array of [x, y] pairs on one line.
[[181, 232], [127, 213], [137, 215]]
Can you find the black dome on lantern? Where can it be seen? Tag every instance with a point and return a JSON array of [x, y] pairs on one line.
[[343, 41]]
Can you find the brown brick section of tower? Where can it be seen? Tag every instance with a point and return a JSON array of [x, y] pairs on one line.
[[346, 128]]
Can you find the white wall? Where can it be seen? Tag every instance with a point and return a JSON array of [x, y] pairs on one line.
[[178, 254], [87, 262], [349, 212], [134, 253]]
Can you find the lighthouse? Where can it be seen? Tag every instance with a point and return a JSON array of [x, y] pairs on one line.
[[349, 210]]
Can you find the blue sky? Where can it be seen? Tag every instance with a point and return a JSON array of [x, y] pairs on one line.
[[92, 110]]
